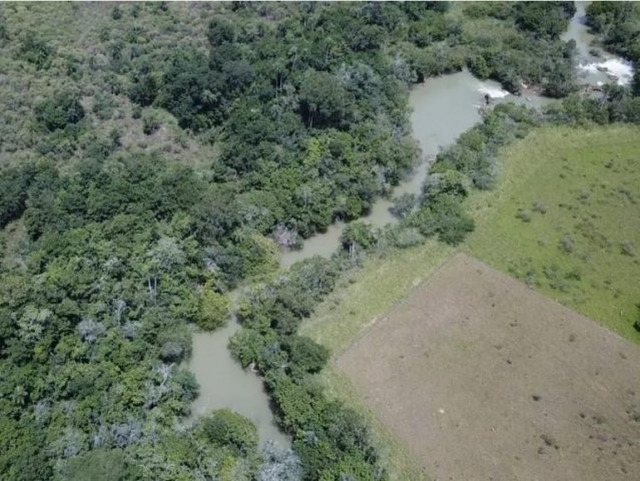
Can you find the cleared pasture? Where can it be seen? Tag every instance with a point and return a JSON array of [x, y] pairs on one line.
[[480, 377], [565, 219]]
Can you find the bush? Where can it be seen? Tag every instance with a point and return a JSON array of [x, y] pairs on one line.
[[103, 106], [403, 205], [567, 244], [60, 111], [227, 428], [524, 215], [446, 217], [150, 122], [357, 235], [35, 50], [404, 237]]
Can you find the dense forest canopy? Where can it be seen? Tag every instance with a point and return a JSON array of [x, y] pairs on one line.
[[154, 155]]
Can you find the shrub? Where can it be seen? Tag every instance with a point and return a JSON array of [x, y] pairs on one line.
[[100, 465], [626, 248], [567, 244], [150, 123], [404, 237], [357, 235], [403, 205], [13, 194], [103, 106], [540, 207], [524, 215]]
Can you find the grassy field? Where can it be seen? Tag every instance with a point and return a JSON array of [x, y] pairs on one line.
[[565, 219], [583, 250]]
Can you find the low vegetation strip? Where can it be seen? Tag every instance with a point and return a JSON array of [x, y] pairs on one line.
[[562, 220], [481, 377]]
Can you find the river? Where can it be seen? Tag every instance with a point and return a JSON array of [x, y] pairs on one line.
[[442, 109], [594, 66]]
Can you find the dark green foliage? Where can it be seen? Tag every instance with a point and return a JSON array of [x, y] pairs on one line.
[[544, 18], [305, 354], [533, 55], [444, 216], [616, 105], [59, 111], [35, 50], [150, 123], [189, 92], [101, 465], [227, 428], [14, 182], [145, 87], [619, 25], [220, 32], [357, 235], [4, 31], [323, 101]]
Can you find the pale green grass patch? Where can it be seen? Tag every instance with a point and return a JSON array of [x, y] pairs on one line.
[[565, 219]]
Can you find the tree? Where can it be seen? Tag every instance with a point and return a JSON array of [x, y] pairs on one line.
[[220, 32], [227, 428], [306, 355], [13, 193], [323, 101], [548, 18], [214, 309], [60, 110]]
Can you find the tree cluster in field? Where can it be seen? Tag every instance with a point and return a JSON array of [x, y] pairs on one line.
[[155, 155]]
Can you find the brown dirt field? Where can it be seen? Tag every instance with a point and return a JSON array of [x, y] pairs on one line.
[[482, 378]]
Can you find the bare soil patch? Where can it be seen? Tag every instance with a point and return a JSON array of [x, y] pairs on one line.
[[482, 378]]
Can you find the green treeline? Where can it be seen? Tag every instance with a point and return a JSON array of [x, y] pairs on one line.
[[153, 158]]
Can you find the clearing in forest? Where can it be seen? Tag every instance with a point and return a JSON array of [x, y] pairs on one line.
[[482, 378]]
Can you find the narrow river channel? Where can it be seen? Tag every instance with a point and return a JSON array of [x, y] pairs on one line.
[[442, 109]]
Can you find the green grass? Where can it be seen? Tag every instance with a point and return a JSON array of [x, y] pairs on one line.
[[551, 166], [565, 219]]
